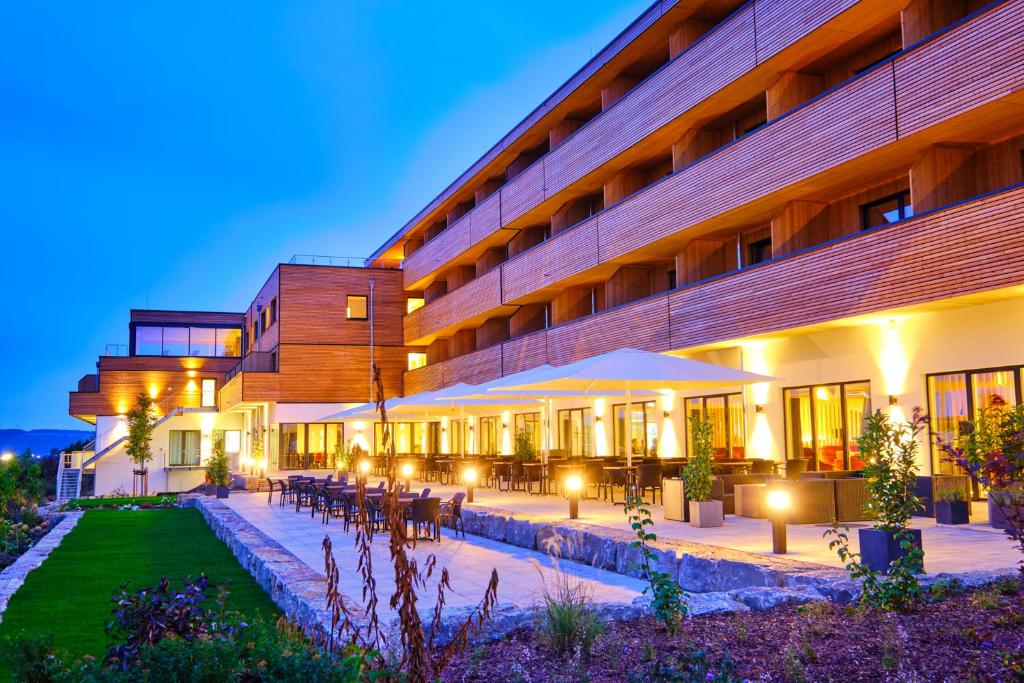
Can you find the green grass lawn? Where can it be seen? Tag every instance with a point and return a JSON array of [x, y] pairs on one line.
[[87, 503], [69, 594]]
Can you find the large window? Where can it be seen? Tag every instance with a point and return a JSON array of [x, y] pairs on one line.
[[356, 308], [886, 210], [456, 437], [409, 437], [529, 423], [209, 393], [184, 448], [823, 423], [489, 435], [958, 397], [728, 434], [415, 360], [575, 431], [310, 446], [643, 429], [207, 342]]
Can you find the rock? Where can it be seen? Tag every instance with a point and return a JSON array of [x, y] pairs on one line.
[[627, 560], [767, 598], [560, 541], [521, 533], [598, 550], [713, 603], [703, 575]]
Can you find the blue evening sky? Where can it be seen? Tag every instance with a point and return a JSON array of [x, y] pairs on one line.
[[169, 154]]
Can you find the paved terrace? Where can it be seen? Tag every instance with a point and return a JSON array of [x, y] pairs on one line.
[[974, 547]]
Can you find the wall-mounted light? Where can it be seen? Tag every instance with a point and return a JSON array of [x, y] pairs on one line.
[[666, 413], [504, 425], [759, 408], [470, 428], [597, 419], [894, 400]]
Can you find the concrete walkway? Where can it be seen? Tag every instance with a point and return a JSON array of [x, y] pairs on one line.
[[469, 561], [974, 547]]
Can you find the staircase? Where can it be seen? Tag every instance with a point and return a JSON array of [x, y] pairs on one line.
[[69, 483], [165, 418]]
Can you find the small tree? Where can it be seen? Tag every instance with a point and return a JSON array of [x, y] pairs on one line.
[[217, 466], [342, 456], [522, 447], [697, 473], [257, 451], [141, 421]]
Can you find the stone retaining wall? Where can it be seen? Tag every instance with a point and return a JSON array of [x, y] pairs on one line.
[[13, 576]]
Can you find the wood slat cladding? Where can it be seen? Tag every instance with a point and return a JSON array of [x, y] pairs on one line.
[[694, 144], [686, 34], [485, 218], [792, 89], [119, 389], [493, 331], [436, 254], [311, 305], [522, 193], [727, 54], [268, 339], [474, 368], [944, 174], [480, 295], [461, 343], [186, 317], [781, 22], [230, 395], [571, 303], [703, 258], [628, 284], [325, 374], [524, 353], [541, 266], [642, 325], [968, 67], [800, 225], [527, 318], [982, 248], [921, 18], [527, 238], [458, 276], [489, 260]]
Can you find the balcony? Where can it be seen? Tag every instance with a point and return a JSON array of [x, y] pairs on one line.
[[344, 261], [255, 361], [972, 249], [680, 93], [470, 304]]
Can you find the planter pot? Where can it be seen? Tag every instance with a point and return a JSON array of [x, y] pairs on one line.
[[952, 512], [222, 491], [706, 513], [211, 490], [996, 517], [879, 548]]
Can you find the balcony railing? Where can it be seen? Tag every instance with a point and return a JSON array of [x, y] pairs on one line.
[[257, 361], [115, 350], [344, 261]]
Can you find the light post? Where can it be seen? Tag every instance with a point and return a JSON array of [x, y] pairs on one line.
[[573, 487], [363, 470], [469, 476], [778, 503], [407, 475]]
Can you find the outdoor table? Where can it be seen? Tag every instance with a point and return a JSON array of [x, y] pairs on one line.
[[736, 467]]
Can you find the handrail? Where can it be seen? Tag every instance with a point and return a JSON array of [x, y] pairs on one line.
[[173, 413], [255, 361], [344, 261], [115, 350]]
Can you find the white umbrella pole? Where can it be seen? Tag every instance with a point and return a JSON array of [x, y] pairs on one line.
[[627, 435], [547, 429]]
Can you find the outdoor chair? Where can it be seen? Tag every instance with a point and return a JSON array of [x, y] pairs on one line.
[[795, 467], [425, 492], [852, 499], [451, 513], [613, 479], [593, 475], [376, 520], [272, 483], [648, 476], [762, 466], [425, 513], [812, 501], [333, 504], [305, 494]]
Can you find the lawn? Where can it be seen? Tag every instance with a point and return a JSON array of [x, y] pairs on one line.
[[90, 503], [69, 594]]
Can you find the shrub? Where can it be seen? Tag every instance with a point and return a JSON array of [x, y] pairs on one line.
[[522, 447], [21, 485], [668, 598], [889, 449], [568, 622], [697, 472], [951, 496], [692, 667], [217, 466]]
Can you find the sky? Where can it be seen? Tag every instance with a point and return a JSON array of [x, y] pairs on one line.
[[168, 155]]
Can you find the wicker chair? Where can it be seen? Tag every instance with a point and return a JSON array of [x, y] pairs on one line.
[[451, 513], [813, 501], [648, 476], [852, 499]]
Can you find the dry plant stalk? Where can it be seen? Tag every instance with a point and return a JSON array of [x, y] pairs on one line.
[[422, 659]]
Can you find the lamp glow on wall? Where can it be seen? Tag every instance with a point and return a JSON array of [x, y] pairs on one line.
[[506, 432], [667, 442], [206, 421], [600, 434], [360, 438], [755, 359], [444, 435], [894, 364]]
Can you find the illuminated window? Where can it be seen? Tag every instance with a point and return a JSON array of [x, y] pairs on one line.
[[356, 308], [823, 423], [412, 303], [728, 433], [417, 360], [183, 448], [209, 397]]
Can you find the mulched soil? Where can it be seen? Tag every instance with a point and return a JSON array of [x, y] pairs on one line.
[[961, 638], [9, 552]]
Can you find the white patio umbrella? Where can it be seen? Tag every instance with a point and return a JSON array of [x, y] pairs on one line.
[[628, 370]]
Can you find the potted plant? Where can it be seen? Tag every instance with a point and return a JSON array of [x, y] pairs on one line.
[[217, 468], [704, 512], [889, 449], [952, 508], [342, 457]]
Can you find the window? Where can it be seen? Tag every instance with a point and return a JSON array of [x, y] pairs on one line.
[[456, 436], [356, 309], [643, 429], [574, 431], [184, 448], [728, 434], [954, 398], [408, 437], [255, 330], [265, 320], [412, 303], [310, 446], [417, 360], [886, 210], [156, 340], [759, 251], [672, 279], [823, 423], [488, 430], [273, 310], [209, 393], [529, 423]]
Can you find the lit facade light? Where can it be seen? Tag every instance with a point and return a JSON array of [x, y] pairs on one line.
[[894, 400], [778, 503], [759, 408], [573, 488], [469, 475]]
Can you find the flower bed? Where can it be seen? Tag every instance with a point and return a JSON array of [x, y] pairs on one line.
[[973, 635], [18, 536], [123, 503]]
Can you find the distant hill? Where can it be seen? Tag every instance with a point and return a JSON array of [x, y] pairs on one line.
[[40, 440]]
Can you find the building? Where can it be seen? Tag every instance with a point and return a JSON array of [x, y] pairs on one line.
[[829, 193]]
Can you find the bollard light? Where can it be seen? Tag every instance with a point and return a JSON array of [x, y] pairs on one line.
[[407, 475], [778, 503], [363, 470], [573, 487], [469, 476]]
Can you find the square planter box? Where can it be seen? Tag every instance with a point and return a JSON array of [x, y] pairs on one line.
[[952, 512], [210, 489], [707, 513], [996, 517], [222, 491], [879, 548]]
